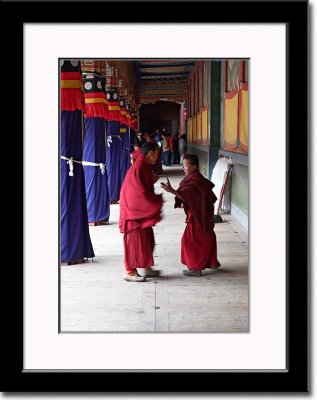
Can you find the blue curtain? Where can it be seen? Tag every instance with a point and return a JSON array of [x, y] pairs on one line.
[[97, 196], [75, 238], [113, 159]]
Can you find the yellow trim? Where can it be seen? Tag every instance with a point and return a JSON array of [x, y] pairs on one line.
[[204, 125], [71, 84], [198, 129], [114, 108], [95, 100], [244, 128], [123, 130], [231, 120]]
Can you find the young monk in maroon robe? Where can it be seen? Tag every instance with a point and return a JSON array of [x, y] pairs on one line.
[[199, 243], [140, 209]]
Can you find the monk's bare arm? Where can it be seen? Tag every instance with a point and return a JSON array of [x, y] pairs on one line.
[[155, 178]]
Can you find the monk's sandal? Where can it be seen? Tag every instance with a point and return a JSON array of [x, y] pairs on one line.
[[149, 272], [134, 278]]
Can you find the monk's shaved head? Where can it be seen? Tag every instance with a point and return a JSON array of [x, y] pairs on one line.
[[147, 147]]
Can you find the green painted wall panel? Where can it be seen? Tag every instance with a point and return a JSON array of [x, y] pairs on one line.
[[240, 187]]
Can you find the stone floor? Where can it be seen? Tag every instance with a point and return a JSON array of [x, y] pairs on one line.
[[95, 298]]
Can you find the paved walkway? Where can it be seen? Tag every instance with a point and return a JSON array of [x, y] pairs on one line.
[[94, 297]]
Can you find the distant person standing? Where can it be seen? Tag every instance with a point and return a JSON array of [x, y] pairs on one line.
[[166, 149], [140, 209]]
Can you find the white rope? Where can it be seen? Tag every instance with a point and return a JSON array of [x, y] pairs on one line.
[[100, 165], [109, 140], [71, 162]]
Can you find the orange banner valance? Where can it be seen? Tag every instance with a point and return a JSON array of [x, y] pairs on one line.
[[72, 96]]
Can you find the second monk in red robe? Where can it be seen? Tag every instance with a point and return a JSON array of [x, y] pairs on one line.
[[140, 209], [195, 194]]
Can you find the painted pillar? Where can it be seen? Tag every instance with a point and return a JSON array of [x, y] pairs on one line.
[[113, 134], [75, 238], [94, 152]]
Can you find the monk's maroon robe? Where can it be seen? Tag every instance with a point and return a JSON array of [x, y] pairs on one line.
[[140, 209], [199, 243]]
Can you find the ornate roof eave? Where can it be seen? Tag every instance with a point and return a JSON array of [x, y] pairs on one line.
[[155, 99]]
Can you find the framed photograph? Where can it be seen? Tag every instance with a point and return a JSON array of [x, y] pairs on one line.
[[273, 355]]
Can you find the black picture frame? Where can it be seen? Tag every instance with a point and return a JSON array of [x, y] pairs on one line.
[[296, 378]]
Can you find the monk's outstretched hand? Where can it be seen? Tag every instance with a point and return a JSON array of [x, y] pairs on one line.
[[167, 186]]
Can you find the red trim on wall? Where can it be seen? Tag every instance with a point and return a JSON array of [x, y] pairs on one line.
[[207, 84], [204, 87], [228, 146], [242, 71], [244, 86], [197, 89], [188, 103], [242, 149], [201, 84], [198, 86], [230, 95], [190, 98], [239, 114], [226, 77], [194, 94]]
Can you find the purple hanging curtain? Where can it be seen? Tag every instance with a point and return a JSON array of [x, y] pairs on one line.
[[75, 238], [124, 151], [98, 203], [113, 159]]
